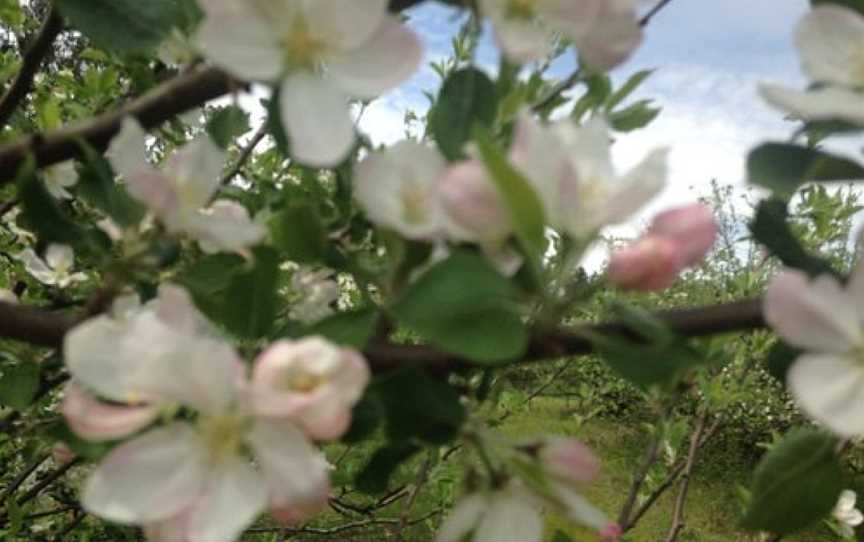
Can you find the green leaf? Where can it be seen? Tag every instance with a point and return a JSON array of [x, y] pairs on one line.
[[122, 25], [251, 301], [275, 126], [796, 484], [352, 329], [89, 450], [779, 359], [783, 167], [43, 214], [561, 536], [211, 274], [465, 307], [522, 201], [298, 232], [636, 116], [97, 186], [770, 227], [599, 89], [645, 362], [375, 476], [467, 97], [418, 406], [366, 416], [19, 385], [627, 88], [226, 124]]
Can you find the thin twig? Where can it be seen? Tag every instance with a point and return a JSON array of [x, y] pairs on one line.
[[557, 91], [22, 477], [678, 512], [32, 60], [653, 11], [422, 476], [245, 154]]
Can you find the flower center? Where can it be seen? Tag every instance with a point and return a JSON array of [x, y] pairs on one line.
[[303, 49], [223, 435], [522, 9], [413, 197], [303, 382]]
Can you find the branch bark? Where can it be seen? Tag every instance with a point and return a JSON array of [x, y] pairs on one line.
[[31, 62], [678, 513]]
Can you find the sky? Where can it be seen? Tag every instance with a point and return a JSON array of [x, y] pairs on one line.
[[709, 57]]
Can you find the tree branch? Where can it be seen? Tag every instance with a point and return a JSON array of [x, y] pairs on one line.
[[32, 60], [653, 11], [678, 514]]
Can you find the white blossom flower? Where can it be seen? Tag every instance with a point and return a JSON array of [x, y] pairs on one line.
[[830, 40], [571, 169], [826, 320], [846, 514], [192, 480], [604, 31], [506, 515], [55, 269], [317, 291], [179, 195], [320, 53], [60, 177]]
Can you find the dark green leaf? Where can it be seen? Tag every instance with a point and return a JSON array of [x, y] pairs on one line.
[[251, 301], [465, 307], [644, 362], [783, 167], [352, 329], [123, 25], [298, 232], [796, 484], [97, 186], [226, 124], [275, 126], [523, 203], [468, 97], [561, 536], [770, 227], [779, 359], [91, 451], [636, 116], [375, 476], [599, 90], [366, 416], [19, 385], [211, 274]]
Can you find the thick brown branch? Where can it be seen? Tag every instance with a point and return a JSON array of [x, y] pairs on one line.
[[32, 60]]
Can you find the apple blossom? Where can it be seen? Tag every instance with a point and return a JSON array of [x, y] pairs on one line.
[[846, 514], [311, 381], [830, 40], [473, 203], [398, 188], [62, 454], [506, 515], [317, 291], [55, 269], [571, 169], [319, 53], [612, 36], [179, 194], [824, 319], [60, 177]]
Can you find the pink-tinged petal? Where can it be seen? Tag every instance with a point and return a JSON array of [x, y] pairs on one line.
[[830, 389], [815, 315], [830, 40], [579, 509], [157, 192], [390, 56], [296, 473], [225, 226], [95, 420], [174, 306], [569, 460], [473, 203], [299, 512], [692, 227], [650, 264], [317, 119], [611, 533], [826, 103], [62, 453], [241, 41], [234, 496], [463, 518], [150, 478], [347, 23], [612, 39], [195, 171], [510, 516]]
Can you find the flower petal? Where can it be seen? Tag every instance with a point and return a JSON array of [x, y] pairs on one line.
[[225, 226], [390, 57], [317, 119], [127, 153], [611, 40], [150, 478], [462, 519], [816, 315], [510, 517], [579, 509], [95, 420], [240, 40], [348, 23], [830, 40], [59, 257], [827, 103], [196, 172], [37, 267], [830, 389]]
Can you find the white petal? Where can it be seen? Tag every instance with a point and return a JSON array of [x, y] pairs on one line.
[[830, 389], [611, 40], [157, 192], [295, 471], [94, 420], [346, 23], [831, 42], [846, 501], [174, 306], [150, 478], [462, 519], [196, 171], [234, 496], [816, 315], [37, 267], [398, 189], [510, 518], [390, 57], [242, 42], [523, 41], [59, 257], [226, 226], [317, 119], [827, 103], [579, 509], [128, 150]]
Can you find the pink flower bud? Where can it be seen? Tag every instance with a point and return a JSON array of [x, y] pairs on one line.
[[651, 263], [569, 460], [94, 420], [473, 203], [692, 227], [611, 533], [62, 453]]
